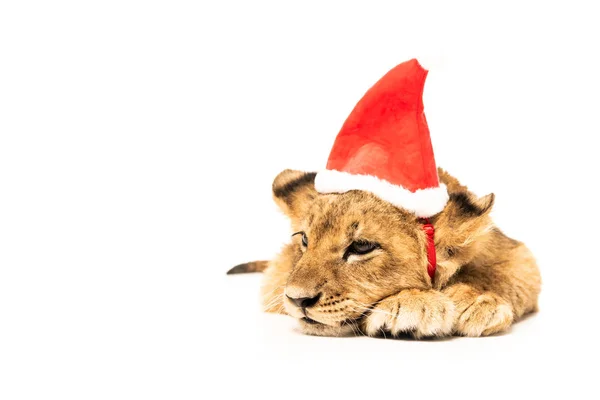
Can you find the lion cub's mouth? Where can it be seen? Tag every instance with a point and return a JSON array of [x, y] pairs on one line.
[[310, 321], [348, 327], [348, 321]]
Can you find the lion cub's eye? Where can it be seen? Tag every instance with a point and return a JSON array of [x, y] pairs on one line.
[[360, 247]]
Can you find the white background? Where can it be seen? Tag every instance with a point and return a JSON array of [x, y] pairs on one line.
[[138, 143]]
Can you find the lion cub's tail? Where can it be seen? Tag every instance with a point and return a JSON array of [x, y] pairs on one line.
[[253, 266]]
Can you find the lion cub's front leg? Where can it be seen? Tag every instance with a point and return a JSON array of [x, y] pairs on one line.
[[489, 299], [479, 313], [418, 312]]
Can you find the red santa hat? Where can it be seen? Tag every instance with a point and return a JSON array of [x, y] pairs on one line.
[[384, 146]]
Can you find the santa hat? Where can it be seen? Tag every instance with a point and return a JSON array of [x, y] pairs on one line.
[[384, 146]]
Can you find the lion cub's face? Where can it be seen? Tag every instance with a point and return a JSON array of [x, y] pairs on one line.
[[352, 250], [356, 250]]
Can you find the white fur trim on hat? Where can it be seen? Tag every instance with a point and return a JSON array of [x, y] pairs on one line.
[[423, 203]]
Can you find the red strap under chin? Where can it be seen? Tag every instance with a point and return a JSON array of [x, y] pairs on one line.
[[431, 257]]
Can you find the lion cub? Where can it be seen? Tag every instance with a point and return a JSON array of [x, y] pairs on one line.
[[358, 264]]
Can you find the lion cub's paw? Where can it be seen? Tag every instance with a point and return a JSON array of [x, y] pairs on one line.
[[420, 313], [487, 315]]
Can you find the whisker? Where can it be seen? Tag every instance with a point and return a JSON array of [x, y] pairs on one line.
[[272, 291], [273, 302]]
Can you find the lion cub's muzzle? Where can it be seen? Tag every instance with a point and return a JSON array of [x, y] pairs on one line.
[[319, 312], [303, 303], [301, 299]]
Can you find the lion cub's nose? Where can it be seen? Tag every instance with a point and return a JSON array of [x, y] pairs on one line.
[[305, 302]]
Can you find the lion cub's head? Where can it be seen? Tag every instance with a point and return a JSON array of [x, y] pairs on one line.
[[354, 249]]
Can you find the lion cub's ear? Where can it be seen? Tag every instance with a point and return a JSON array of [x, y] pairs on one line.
[[464, 219], [293, 192], [468, 206]]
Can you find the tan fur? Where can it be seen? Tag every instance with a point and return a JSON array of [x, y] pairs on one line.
[[253, 266], [483, 283]]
